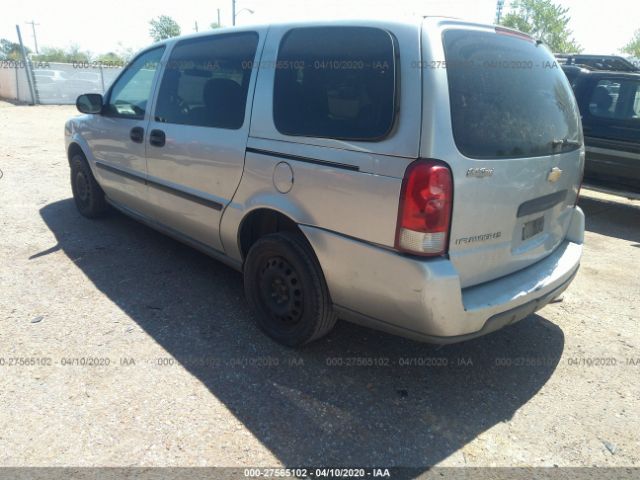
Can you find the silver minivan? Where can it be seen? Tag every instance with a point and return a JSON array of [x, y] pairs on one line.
[[418, 177]]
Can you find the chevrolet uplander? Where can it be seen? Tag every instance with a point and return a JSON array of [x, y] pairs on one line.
[[416, 176]]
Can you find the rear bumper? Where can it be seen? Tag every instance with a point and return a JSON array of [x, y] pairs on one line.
[[422, 299]]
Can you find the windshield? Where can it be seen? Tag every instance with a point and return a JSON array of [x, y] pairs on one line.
[[509, 97]]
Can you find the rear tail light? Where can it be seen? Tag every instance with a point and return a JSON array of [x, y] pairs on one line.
[[424, 213]]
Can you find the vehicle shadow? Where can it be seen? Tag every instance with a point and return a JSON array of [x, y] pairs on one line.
[[611, 219], [355, 398]]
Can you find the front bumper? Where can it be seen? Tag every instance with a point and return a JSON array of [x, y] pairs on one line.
[[422, 299]]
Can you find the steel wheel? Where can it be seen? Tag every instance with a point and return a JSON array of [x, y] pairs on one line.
[[284, 283]]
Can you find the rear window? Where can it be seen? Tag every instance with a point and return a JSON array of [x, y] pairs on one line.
[[335, 82], [509, 98]]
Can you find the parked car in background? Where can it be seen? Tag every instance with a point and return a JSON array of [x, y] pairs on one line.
[[611, 63], [573, 72], [345, 174], [610, 107], [54, 75], [85, 82], [47, 88], [51, 84]]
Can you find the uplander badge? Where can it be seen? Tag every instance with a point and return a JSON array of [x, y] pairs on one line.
[[480, 172], [478, 238]]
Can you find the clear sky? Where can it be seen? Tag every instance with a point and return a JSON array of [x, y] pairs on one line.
[[601, 27]]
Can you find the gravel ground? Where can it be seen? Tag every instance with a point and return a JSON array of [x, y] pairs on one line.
[[178, 375]]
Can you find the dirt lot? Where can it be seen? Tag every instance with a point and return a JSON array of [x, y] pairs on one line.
[[180, 376]]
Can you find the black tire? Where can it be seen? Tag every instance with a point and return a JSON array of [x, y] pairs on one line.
[[284, 284], [88, 195]]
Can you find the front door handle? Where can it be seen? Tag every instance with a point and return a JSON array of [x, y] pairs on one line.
[[136, 134], [157, 138]]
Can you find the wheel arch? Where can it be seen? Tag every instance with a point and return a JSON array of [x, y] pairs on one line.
[[263, 221], [73, 149]]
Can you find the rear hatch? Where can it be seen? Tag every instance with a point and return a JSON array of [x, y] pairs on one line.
[[514, 142]]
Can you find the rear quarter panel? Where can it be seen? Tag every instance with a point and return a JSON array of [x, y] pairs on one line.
[[362, 204]]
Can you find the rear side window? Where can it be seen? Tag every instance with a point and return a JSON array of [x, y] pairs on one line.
[[509, 98], [335, 82], [206, 81]]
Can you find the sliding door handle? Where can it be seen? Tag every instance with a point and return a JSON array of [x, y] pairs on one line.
[[157, 138]]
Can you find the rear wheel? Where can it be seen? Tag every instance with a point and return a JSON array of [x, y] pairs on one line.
[[285, 285], [88, 195]]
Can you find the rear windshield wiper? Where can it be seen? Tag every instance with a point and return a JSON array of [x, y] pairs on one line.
[[565, 142]]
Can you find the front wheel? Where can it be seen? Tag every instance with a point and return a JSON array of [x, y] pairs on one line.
[[285, 285], [88, 195]]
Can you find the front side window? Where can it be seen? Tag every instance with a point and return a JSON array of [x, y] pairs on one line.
[[206, 81], [616, 99], [335, 82], [130, 93]]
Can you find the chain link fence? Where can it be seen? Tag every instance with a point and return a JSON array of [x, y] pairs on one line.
[[54, 83]]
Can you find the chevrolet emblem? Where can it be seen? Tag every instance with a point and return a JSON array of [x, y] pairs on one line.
[[554, 175]]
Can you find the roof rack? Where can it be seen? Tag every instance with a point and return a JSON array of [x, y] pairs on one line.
[[611, 63]]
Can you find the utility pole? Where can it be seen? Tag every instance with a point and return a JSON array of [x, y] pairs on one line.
[[33, 28], [233, 12], [196, 26], [219, 18], [499, 8], [27, 67]]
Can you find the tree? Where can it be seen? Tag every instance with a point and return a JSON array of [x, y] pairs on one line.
[[111, 59], [126, 53], [633, 47], [74, 54], [543, 20], [70, 55], [163, 27], [51, 54], [10, 50]]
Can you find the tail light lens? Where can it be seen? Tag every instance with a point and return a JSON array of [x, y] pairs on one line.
[[424, 213]]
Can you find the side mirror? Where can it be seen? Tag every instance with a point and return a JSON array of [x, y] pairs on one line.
[[89, 103]]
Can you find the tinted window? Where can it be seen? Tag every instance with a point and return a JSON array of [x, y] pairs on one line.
[[335, 82], [131, 91], [508, 97], [604, 99], [206, 81], [616, 99]]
